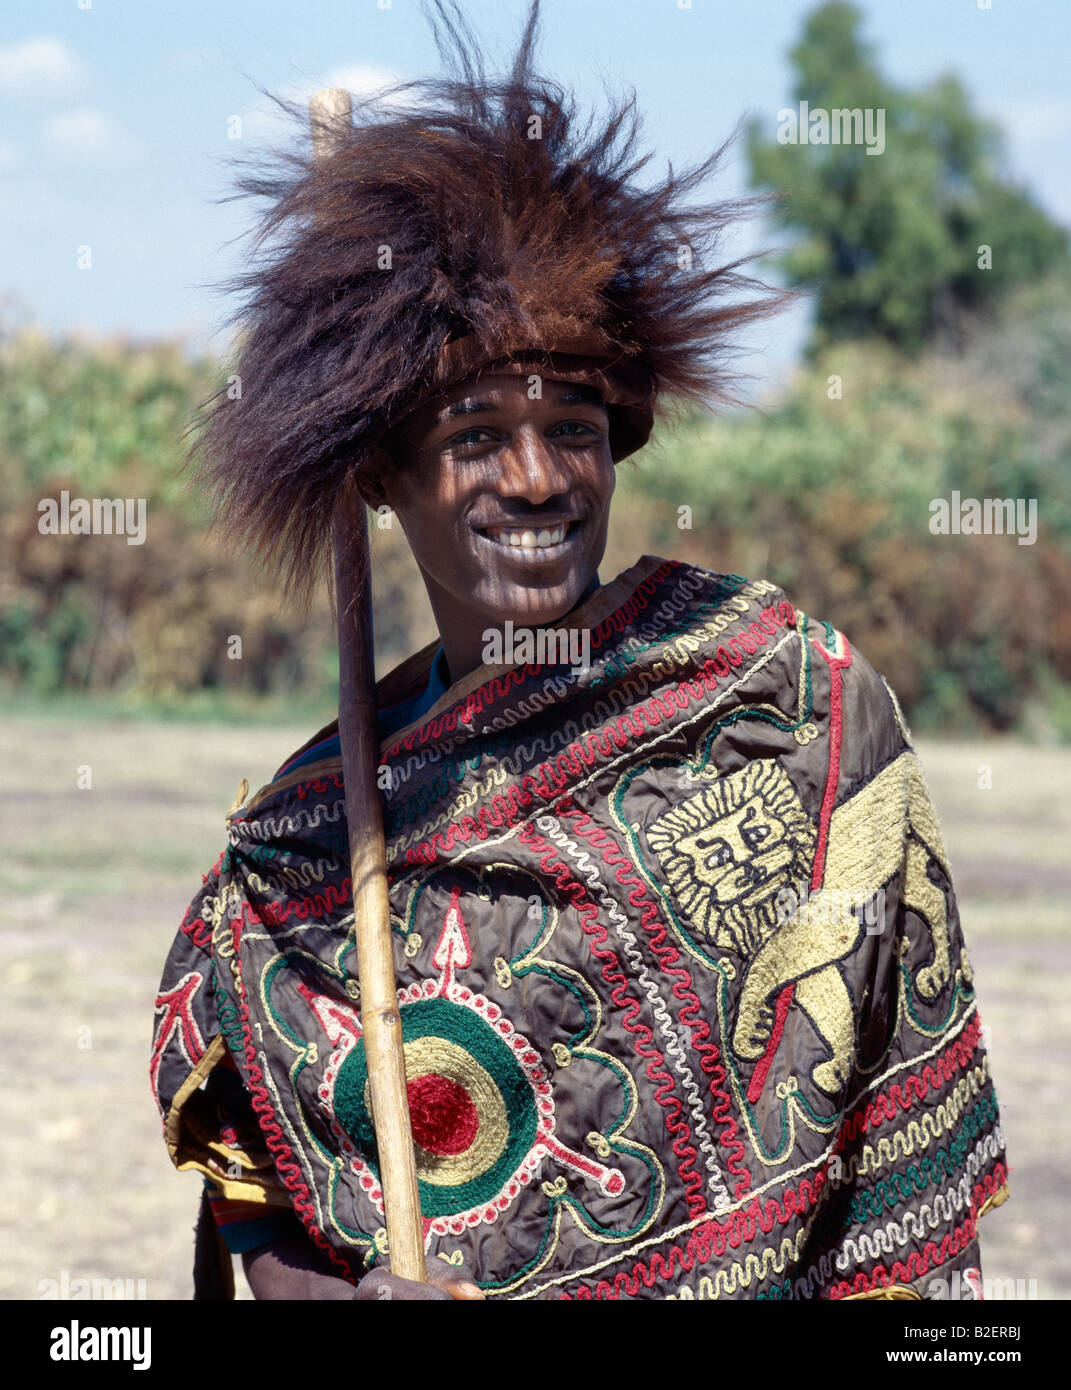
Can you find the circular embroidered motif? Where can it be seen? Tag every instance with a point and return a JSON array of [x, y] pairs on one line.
[[496, 1091], [479, 1096]]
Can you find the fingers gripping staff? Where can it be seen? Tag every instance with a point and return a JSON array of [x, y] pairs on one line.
[[330, 112]]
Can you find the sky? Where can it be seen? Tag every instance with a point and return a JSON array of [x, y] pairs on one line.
[[118, 128]]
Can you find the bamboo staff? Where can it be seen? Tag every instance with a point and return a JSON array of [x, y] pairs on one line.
[[329, 112]]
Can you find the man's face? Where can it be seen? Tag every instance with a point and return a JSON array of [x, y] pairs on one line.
[[504, 500]]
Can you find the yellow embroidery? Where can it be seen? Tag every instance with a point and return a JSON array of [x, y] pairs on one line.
[[228, 904], [894, 1291], [729, 850], [755, 1267], [917, 1134], [866, 848], [926, 898], [997, 1199], [239, 797], [901, 722], [446, 1058]]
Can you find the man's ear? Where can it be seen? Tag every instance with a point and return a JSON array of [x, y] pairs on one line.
[[372, 472]]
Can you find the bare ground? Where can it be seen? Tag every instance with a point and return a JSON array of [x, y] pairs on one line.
[[96, 880]]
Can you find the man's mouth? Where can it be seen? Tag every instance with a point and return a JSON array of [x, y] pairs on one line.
[[530, 539]]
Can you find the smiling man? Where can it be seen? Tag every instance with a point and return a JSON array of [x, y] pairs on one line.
[[685, 1003], [504, 497]]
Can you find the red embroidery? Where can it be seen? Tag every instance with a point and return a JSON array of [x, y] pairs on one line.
[[550, 780], [932, 1256], [784, 999], [904, 1095], [643, 1043], [499, 687], [196, 928], [283, 1154], [443, 1114], [710, 1241], [668, 958]]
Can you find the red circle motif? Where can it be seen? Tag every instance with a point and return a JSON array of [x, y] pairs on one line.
[[444, 1116]]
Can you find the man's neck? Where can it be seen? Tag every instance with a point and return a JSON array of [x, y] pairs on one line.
[[463, 656]]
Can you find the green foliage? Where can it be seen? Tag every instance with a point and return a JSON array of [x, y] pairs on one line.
[[825, 491], [101, 413], [830, 498], [94, 613], [156, 621], [890, 242]]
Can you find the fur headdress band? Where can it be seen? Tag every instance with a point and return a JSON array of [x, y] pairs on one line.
[[625, 383], [480, 223]]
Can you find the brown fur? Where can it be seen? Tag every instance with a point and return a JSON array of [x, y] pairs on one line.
[[515, 240]]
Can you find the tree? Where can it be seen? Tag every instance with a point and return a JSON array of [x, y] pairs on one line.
[[891, 232]]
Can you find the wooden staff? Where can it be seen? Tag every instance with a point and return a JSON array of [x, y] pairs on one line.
[[330, 111]]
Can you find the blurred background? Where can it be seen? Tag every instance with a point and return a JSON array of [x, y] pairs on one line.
[[927, 359]]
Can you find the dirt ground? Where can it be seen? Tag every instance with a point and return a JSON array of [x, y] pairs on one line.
[[96, 879]]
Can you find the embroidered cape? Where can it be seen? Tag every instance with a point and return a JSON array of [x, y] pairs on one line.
[[685, 1000]]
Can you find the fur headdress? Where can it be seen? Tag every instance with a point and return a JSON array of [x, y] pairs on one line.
[[478, 222]]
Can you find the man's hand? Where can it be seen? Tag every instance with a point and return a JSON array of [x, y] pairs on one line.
[[445, 1282], [292, 1267]]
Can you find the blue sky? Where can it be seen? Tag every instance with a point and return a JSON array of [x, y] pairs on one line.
[[116, 117]]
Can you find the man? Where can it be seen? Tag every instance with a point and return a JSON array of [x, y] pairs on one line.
[[685, 1003]]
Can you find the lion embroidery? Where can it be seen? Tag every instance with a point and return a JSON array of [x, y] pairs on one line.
[[730, 850]]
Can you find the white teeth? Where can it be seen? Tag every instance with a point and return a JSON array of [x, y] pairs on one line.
[[530, 540]]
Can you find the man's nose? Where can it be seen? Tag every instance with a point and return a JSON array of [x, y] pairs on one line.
[[532, 468]]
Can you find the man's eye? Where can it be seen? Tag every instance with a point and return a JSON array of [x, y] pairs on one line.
[[573, 425], [473, 436]]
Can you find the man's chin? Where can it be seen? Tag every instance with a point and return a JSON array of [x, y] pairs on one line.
[[536, 605]]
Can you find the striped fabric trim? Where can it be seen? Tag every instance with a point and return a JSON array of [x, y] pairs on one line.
[[243, 1225], [389, 719]]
